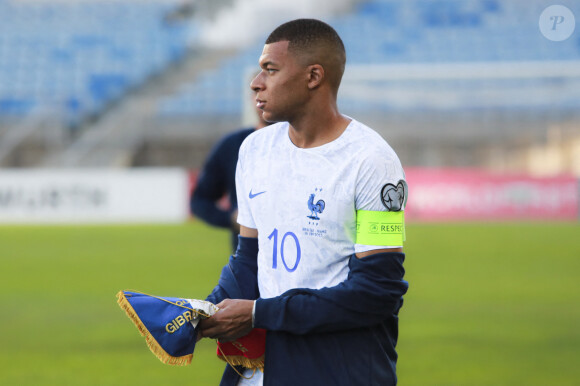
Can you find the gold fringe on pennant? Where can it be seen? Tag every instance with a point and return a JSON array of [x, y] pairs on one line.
[[240, 360], [151, 342]]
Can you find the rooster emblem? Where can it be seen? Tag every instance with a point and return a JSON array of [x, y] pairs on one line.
[[315, 209]]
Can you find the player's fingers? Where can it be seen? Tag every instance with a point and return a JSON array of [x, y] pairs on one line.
[[212, 333], [204, 326], [223, 304], [216, 331]]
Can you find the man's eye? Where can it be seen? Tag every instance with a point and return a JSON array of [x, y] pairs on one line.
[[270, 70]]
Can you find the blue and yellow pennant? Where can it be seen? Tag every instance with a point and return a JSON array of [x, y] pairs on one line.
[[167, 323]]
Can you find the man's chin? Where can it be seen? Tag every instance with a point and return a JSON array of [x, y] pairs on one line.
[[270, 118]]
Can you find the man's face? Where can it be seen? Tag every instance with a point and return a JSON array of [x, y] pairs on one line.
[[281, 87]]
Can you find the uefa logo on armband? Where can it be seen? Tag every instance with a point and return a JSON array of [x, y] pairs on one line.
[[394, 197]]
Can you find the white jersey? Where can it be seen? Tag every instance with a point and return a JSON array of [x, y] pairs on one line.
[[303, 202]]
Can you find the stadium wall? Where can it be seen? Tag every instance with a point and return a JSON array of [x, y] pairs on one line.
[[477, 195], [147, 195], [161, 195]]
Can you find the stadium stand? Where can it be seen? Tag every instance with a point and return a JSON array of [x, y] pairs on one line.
[[449, 82], [78, 57], [387, 32], [444, 80]]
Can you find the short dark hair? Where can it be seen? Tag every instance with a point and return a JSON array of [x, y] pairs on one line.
[[315, 40], [304, 32]]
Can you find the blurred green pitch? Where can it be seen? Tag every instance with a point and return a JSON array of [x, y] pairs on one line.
[[489, 304]]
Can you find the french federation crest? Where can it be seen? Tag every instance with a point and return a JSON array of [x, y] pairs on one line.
[[315, 208]]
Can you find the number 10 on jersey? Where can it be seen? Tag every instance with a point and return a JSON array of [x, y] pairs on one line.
[[285, 238]]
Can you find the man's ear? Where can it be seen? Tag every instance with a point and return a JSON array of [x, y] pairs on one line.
[[315, 76]]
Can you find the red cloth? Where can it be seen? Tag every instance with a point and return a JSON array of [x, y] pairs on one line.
[[247, 351]]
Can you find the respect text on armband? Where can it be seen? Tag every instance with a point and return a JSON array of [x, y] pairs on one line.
[[370, 230], [383, 228]]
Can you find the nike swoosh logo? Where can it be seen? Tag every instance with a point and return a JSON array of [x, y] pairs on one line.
[[252, 195]]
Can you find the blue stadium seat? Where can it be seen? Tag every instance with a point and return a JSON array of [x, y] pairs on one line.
[[81, 54], [410, 31]]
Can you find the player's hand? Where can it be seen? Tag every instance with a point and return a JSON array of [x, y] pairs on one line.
[[232, 321]]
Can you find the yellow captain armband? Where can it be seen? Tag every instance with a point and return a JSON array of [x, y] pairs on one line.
[[380, 228]]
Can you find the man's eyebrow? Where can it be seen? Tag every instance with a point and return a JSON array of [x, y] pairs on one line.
[[268, 63]]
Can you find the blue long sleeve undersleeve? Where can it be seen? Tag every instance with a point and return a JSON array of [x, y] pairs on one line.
[[372, 292], [238, 279]]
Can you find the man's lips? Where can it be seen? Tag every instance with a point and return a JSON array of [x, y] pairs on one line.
[[260, 103]]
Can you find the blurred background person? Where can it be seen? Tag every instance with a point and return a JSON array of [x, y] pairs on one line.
[[217, 179]]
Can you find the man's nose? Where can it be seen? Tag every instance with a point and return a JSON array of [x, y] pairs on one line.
[[256, 84]]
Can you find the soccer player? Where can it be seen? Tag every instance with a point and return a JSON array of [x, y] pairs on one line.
[[217, 179], [320, 199]]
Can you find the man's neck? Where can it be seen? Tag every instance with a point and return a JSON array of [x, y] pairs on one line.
[[317, 130]]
